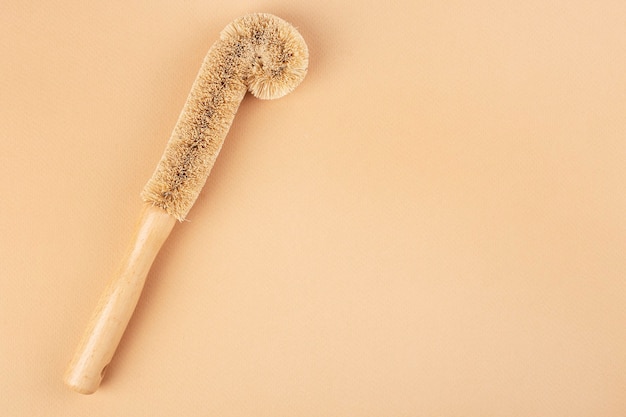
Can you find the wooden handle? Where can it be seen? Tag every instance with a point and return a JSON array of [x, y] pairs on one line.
[[118, 302]]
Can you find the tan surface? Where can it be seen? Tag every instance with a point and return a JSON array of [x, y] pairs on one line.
[[432, 224]]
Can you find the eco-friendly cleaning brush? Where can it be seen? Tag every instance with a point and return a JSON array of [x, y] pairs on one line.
[[258, 52]]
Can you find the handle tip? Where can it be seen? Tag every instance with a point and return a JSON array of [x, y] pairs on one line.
[[81, 382]]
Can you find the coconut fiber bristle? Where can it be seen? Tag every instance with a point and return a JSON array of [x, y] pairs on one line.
[[260, 53]]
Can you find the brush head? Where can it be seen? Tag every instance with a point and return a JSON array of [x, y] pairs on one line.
[[260, 53], [278, 55]]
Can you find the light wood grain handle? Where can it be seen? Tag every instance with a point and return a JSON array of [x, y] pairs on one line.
[[118, 302]]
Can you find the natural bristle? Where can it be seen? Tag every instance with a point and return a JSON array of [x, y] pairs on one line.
[[258, 52], [278, 54]]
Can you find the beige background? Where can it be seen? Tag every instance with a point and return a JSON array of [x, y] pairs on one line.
[[432, 224]]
